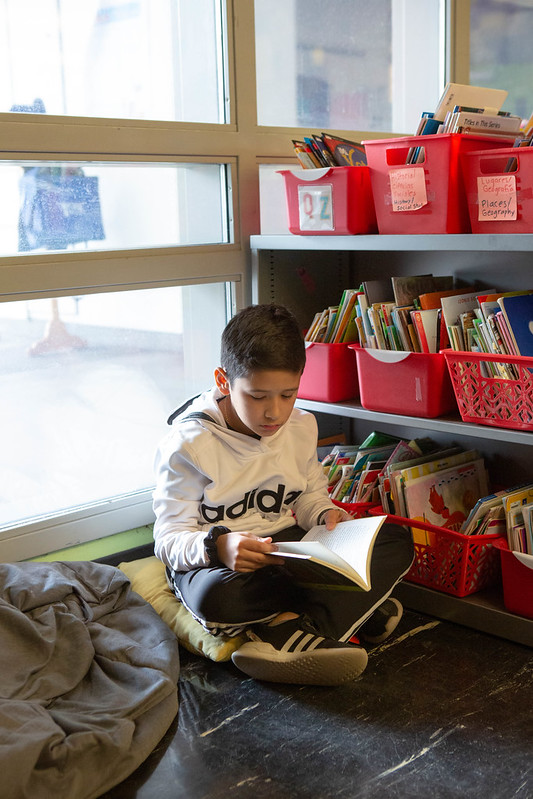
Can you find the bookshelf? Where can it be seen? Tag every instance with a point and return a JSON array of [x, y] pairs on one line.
[[309, 272]]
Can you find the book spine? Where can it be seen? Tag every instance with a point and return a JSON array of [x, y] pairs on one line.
[[420, 331]]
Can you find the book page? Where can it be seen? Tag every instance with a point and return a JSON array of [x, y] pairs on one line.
[[316, 550], [347, 548]]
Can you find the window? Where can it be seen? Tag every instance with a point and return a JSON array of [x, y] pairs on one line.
[[120, 256], [86, 385], [349, 64], [130, 59], [54, 206], [500, 55]]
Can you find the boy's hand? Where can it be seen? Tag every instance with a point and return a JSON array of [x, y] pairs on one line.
[[245, 552], [332, 517]]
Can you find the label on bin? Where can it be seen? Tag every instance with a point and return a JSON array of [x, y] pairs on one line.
[[408, 188], [315, 207], [496, 196]]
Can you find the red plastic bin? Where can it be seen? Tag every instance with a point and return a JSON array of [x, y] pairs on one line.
[[449, 561], [500, 201], [409, 383], [432, 192], [495, 401], [517, 579], [330, 373], [330, 201]]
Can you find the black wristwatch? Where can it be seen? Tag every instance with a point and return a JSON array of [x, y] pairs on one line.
[[321, 515], [210, 543]]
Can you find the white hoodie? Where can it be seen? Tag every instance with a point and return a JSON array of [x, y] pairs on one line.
[[207, 474]]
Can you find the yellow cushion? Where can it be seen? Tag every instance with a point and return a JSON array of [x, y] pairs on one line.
[[147, 578]]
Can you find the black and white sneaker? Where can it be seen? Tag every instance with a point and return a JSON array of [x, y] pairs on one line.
[[294, 652], [382, 623]]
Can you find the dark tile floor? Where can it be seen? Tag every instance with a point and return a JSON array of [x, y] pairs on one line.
[[441, 711]]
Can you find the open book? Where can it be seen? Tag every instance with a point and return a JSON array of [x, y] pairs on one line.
[[337, 556]]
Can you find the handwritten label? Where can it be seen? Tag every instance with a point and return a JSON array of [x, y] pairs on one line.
[[496, 195], [408, 189], [315, 206]]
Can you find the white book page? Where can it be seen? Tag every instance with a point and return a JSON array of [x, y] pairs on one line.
[[350, 540], [346, 548], [313, 549]]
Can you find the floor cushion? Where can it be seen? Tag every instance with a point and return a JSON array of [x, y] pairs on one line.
[[147, 577]]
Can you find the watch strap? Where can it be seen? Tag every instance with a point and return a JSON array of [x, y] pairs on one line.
[[210, 544]]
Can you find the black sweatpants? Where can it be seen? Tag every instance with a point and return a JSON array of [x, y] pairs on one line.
[[225, 601]]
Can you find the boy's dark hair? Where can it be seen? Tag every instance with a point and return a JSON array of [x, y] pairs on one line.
[[262, 337]]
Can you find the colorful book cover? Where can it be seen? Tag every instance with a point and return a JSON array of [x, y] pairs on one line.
[[432, 299], [454, 305], [401, 319], [427, 325], [519, 313], [445, 498], [345, 152], [402, 473], [523, 495]]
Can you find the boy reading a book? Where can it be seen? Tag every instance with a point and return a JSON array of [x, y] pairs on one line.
[[238, 471]]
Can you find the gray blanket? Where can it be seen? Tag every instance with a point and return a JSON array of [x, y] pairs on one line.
[[88, 680]]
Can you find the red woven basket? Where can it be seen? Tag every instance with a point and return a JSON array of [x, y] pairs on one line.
[[495, 401], [449, 561]]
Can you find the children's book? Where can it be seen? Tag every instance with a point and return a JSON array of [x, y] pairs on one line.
[[519, 313], [513, 502], [527, 512], [426, 324], [379, 290], [490, 100], [408, 288], [344, 151], [339, 557], [401, 473], [432, 299], [465, 122], [345, 313], [401, 319], [446, 497], [483, 506], [452, 307]]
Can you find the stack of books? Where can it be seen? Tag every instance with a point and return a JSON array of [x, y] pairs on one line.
[[422, 480], [518, 508], [473, 110], [509, 512], [324, 150], [426, 313], [417, 479], [499, 323], [336, 323], [439, 489], [474, 120], [354, 471]]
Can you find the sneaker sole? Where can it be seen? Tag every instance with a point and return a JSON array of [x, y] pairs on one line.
[[392, 623], [318, 667]]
